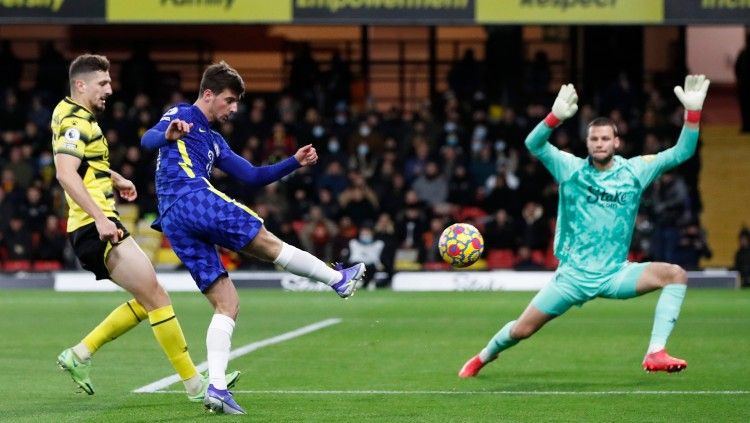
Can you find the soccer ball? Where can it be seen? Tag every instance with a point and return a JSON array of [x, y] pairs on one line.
[[461, 245]]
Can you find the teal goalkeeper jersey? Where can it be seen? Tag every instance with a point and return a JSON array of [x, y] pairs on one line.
[[597, 209]]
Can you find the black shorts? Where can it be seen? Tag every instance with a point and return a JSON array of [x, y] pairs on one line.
[[91, 251]]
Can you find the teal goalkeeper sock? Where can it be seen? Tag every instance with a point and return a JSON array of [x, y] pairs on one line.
[[667, 311], [500, 342]]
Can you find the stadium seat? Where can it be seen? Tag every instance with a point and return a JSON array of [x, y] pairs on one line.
[[165, 258], [436, 265], [480, 264], [407, 259], [128, 214], [17, 266], [472, 215], [148, 239], [149, 244], [635, 256], [407, 265], [298, 225], [500, 259], [550, 261], [46, 266], [537, 256]]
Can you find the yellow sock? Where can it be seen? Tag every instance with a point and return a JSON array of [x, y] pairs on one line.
[[167, 331], [120, 320]]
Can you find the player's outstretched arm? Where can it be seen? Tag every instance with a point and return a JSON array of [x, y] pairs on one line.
[[237, 167], [692, 97], [564, 107], [559, 163]]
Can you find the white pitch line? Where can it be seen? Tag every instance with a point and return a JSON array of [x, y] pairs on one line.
[[169, 380], [538, 393]]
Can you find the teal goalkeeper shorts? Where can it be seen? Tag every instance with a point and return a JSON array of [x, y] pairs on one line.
[[564, 290]]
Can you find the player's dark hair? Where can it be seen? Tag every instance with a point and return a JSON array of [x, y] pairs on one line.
[[221, 76], [605, 121], [87, 63]]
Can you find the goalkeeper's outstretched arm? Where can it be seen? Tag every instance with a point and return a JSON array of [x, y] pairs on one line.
[[565, 106], [692, 97]]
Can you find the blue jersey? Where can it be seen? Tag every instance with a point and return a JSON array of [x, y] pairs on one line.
[[185, 165]]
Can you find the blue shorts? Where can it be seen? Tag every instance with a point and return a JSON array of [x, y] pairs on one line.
[[199, 221], [564, 290]]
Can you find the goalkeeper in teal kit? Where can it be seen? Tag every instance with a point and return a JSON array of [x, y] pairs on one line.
[[599, 199]]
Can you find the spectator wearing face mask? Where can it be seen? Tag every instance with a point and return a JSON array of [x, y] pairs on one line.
[[312, 130], [341, 126], [453, 133], [368, 250], [363, 161], [367, 133], [332, 153]]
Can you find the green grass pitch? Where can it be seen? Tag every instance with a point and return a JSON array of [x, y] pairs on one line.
[[392, 358]]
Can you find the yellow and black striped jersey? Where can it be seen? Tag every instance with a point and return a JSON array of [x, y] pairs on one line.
[[76, 132]]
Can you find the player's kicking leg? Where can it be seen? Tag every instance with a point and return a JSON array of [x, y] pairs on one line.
[[266, 246], [673, 281]]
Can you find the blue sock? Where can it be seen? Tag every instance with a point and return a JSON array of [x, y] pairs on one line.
[[667, 311], [500, 342]]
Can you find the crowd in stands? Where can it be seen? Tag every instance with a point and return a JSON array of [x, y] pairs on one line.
[[388, 180]]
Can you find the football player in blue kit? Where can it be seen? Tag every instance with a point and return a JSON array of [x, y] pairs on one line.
[[196, 217]]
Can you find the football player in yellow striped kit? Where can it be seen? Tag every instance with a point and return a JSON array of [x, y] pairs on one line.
[[100, 241]]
